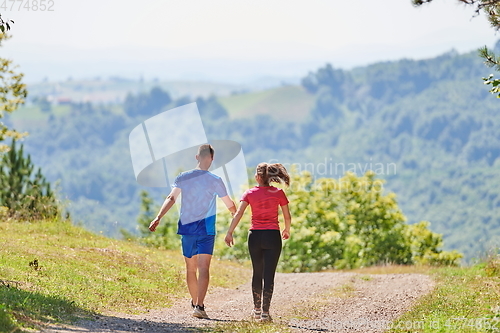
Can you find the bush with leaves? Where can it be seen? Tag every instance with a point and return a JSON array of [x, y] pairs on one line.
[[346, 223], [25, 193], [165, 235], [12, 91]]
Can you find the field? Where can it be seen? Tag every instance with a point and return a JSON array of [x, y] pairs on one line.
[[292, 103]]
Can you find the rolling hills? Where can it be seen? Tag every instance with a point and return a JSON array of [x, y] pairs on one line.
[[429, 126]]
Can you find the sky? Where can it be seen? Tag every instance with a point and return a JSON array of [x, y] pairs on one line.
[[231, 41]]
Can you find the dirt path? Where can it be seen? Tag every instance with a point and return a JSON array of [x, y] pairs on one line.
[[306, 302]]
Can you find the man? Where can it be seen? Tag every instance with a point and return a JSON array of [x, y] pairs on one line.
[[199, 188]]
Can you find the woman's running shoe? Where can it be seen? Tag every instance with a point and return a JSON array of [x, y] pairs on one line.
[[265, 317], [256, 314]]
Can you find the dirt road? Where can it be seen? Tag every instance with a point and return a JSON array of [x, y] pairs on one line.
[[305, 302]]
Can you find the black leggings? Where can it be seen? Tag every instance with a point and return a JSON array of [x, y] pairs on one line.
[[265, 249]]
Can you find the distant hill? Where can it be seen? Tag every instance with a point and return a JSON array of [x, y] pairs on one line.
[[429, 127], [289, 102], [113, 90]]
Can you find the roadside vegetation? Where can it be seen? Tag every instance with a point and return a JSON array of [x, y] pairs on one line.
[[465, 299], [52, 271]]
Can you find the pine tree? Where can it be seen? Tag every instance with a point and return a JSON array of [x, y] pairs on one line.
[[491, 8], [25, 193]]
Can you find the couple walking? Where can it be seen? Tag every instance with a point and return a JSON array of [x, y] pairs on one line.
[[196, 225]]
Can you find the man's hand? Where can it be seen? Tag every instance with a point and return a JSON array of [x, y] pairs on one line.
[[229, 239], [154, 224]]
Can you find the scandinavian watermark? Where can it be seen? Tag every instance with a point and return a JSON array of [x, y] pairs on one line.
[[328, 176], [329, 168]]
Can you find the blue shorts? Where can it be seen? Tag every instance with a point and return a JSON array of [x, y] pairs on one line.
[[197, 244]]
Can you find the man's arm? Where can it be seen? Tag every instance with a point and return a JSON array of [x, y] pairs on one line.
[[229, 204], [167, 204]]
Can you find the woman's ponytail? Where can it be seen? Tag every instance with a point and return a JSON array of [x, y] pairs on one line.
[[275, 172]]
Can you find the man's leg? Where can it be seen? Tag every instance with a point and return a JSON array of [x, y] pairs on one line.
[[191, 279], [203, 277]]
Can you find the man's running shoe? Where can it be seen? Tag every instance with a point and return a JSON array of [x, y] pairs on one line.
[[199, 312]]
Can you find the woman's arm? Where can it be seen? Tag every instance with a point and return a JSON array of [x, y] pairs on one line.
[[236, 219], [288, 221]]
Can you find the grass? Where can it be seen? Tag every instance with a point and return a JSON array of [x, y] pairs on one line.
[[33, 112], [78, 273], [393, 269], [250, 327], [465, 299]]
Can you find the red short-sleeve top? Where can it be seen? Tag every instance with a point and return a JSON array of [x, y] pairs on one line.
[[264, 202]]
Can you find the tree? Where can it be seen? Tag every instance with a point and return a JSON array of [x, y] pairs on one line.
[[348, 223], [24, 192], [147, 104], [12, 91], [5, 25], [165, 235], [492, 10]]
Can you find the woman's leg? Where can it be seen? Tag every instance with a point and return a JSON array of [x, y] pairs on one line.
[[272, 244], [257, 256]]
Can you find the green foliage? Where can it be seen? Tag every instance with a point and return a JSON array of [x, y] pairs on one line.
[[329, 77], [428, 117], [495, 84], [26, 194], [165, 235], [491, 8], [43, 103], [12, 91], [147, 103], [348, 223], [5, 25], [425, 246]]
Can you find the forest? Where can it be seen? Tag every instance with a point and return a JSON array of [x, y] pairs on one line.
[[428, 128]]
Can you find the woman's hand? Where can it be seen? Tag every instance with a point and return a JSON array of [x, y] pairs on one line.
[[154, 224], [229, 239], [286, 233]]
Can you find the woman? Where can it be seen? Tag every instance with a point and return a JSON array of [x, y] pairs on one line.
[[264, 238]]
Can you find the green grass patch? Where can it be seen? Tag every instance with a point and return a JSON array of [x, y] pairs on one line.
[[288, 102], [250, 327], [58, 271], [392, 269], [33, 112], [465, 299]]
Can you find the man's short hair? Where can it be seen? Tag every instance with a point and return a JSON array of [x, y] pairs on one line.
[[206, 149]]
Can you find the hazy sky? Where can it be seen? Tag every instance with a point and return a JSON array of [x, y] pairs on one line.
[[231, 40]]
